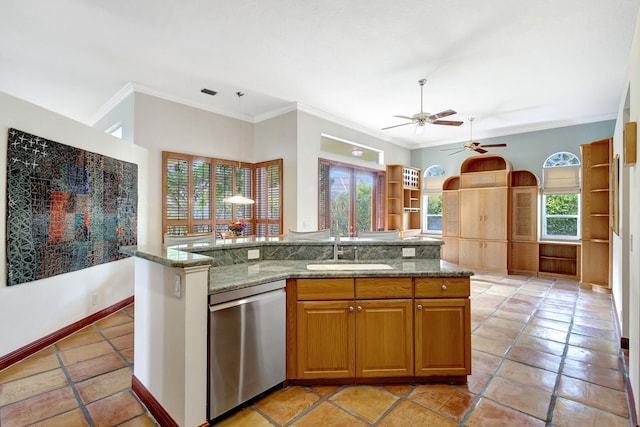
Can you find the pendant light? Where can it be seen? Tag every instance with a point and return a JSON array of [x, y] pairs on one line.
[[239, 199]]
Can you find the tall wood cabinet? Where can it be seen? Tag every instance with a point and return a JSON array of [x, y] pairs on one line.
[[523, 236], [596, 199], [484, 218], [403, 200]]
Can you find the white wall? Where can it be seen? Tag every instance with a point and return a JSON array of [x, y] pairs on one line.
[[33, 310], [632, 177]]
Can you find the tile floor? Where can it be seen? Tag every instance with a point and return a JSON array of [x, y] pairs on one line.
[[544, 354]]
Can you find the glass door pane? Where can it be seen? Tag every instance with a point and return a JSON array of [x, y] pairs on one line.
[[363, 201], [340, 189]]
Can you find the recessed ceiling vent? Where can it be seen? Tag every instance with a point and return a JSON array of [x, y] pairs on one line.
[[209, 91]]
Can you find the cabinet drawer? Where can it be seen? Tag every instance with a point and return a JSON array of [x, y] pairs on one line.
[[442, 287], [384, 287], [324, 289]]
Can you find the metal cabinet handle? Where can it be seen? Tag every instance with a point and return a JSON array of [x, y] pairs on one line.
[[443, 287], [350, 308], [359, 308], [419, 306]]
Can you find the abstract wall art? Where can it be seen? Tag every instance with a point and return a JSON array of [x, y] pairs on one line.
[[67, 208]]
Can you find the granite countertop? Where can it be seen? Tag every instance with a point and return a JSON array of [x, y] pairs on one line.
[[231, 277]]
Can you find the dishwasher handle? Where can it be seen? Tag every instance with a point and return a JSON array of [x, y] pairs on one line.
[[266, 295]]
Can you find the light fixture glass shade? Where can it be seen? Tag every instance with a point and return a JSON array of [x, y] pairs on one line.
[[419, 129], [238, 199], [357, 152]]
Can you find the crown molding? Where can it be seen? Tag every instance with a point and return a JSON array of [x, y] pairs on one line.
[[113, 102]]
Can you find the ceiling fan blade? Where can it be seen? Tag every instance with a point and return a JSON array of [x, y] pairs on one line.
[[446, 122], [459, 151], [395, 126], [480, 150], [444, 113], [449, 149], [404, 117], [493, 145]]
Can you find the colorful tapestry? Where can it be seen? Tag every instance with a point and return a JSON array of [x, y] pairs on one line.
[[67, 208]]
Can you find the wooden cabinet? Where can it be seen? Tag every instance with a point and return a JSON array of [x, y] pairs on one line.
[[450, 251], [487, 255], [596, 199], [524, 206], [523, 258], [375, 328], [484, 213], [559, 259], [443, 327], [403, 199], [451, 207]]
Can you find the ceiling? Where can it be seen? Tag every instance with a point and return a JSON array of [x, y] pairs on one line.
[[514, 65]]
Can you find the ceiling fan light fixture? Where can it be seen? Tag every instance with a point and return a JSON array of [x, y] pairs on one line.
[[419, 128], [357, 152], [238, 199]]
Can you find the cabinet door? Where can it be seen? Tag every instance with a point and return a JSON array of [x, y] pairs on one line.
[[523, 258], [384, 338], [524, 214], [450, 213], [483, 213], [483, 254], [442, 336], [326, 339], [449, 251]]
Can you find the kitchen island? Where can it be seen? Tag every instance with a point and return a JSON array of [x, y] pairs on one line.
[[173, 286]]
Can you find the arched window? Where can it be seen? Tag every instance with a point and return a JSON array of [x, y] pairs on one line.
[[432, 180], [561, 196]]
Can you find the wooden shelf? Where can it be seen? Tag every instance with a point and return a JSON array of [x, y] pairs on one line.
[[403, 198], [559, 259]]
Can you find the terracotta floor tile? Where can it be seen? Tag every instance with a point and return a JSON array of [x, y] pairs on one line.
[[551, 324], [519, 396], [593, 357], [484, 362], [122, 342], [104, 385], [29, 367], [115, 409], [497, 347], [445, 399], [117, 331], [128, 354], [85, 352], [38, 408], [247, 417], [552, 315], [367, 402], [590, 331], [605, 314], [568, 413], [283, 405], [491, 414], [510, 315], [535, 358], [31, 386], [141, 421], [79, 339], [604, 398], [115, 319], [490, 332], [594, 323], [399, 389], [504, 324], [528, 375], [99, 365], [476, 382], [73, 418], [327, 414], [410, 414], [325, 390], [592, 343], [501, 290], [595, 374], [545, 333], [541, 344]]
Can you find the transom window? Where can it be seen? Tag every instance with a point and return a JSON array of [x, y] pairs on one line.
[[433, 177], [561, 196]]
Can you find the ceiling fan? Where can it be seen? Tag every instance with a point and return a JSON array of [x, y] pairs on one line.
[[471, 145], [422, 118]]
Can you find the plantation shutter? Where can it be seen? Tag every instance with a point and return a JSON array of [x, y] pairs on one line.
[[176, 195], [268, 209], [324, 196], [201, 191]]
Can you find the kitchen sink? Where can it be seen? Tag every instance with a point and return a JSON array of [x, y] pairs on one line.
[[343, 266]]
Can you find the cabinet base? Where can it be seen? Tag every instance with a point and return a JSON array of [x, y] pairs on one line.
[[443, 379], [595, 288]]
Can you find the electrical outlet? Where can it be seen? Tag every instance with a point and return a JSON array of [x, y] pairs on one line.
[[407, 252], [94, 299], [253, 254]]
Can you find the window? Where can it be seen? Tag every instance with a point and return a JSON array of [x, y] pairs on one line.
[[561, 196], [351, 197], [189, 206], [432, 180]]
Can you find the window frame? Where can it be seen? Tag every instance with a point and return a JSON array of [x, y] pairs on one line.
[[562, 159], [432, 179], [238, 212]]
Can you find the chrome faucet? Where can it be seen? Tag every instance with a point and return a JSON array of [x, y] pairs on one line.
[[337, 252]]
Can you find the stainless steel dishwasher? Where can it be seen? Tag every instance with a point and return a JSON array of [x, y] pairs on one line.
[[246, 344]]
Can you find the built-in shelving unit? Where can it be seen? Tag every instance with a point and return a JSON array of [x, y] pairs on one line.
[[596, 215], [403, 199], [451, 219], [559, 259]]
